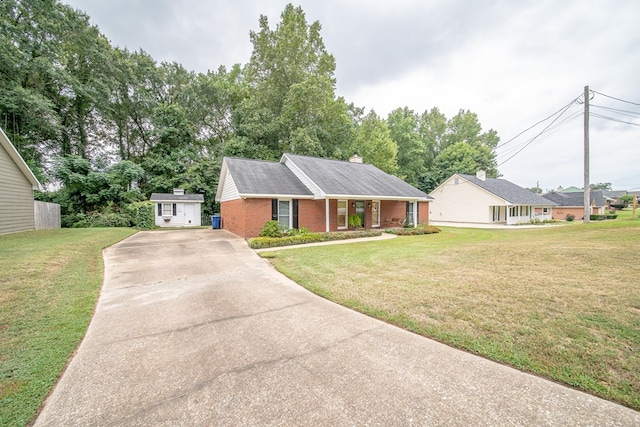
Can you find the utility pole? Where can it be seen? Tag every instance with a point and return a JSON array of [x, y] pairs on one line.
[[587, 198]]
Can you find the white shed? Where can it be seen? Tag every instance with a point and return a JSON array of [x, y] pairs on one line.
[[177, 209]]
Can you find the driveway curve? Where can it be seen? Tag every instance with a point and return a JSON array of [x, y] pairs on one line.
[[193, 328]]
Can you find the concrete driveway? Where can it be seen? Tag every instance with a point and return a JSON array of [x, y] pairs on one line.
[[193, 328]]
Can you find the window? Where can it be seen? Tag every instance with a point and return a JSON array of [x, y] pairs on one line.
[[513, 211], [168, 209], [545, 210], [342, 214], [284, 213], [496, 213]]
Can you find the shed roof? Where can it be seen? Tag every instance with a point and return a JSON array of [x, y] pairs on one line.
[[169, 197], [509, 191]]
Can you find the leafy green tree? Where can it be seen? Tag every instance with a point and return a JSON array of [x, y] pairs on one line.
[[291, 104], [601, 186], [403, 127], [465, 159], [465, 127], [374, 144]]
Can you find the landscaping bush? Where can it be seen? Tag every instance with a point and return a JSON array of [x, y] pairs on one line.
[[270, 242], [570, 217], [413, 231], [142, 214], [612, 216], [354, 221], [271, 229], [596, 217]]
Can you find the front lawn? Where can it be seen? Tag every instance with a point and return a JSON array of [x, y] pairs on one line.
[[49, 285], [562, 302]]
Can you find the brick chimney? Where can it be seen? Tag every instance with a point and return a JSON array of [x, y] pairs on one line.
[[481, 175], [355, 158]]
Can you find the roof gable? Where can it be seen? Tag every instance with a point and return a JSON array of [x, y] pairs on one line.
[[259, 177], [508, 191], [19, 161]]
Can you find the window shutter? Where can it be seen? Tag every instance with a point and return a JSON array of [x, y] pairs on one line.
[[174, 209], [274, 209], [159, 209], [295, 213]]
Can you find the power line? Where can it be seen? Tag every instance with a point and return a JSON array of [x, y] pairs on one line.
[[541, 121], [627, 113], [613, 97], [550, 131], [564, 110], [612, 119]]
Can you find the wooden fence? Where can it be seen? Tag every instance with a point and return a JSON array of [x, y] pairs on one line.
[[46, 215]]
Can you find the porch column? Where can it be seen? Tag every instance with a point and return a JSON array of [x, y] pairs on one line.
[[415, 214], [326, 214]]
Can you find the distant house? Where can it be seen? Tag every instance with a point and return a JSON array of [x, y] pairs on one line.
[[481, 200], [17, 184], [319, 194], [177, 209], [573, 203]]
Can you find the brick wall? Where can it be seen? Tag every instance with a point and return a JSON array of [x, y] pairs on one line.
[[389, 210], [245, 217], [232, 216], [423, 213], [311, 215]]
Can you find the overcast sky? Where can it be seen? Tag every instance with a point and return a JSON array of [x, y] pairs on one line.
[[511, 62]]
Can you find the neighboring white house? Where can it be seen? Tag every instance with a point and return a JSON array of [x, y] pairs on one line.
[[478, 199], [17, 183], [177, 209]]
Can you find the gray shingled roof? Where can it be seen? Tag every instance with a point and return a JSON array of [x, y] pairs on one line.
[[336, 177], [169, 197], [576, 199], [509, 191], [263, 177]]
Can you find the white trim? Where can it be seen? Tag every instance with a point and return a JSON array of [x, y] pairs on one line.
[[379, 197], [274, 196], [326, 216], [19, 161], [303, 177], [290, 202]]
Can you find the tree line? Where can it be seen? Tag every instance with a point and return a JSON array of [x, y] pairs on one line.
[[106, 126]]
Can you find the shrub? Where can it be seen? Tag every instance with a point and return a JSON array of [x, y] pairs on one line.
[[271, 229], [596, 217], [570, 217], [612, 216], [270, 242], [354, 221], [414, 231], [142, 214]]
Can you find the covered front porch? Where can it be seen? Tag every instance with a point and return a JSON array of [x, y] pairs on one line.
[[368, 213]]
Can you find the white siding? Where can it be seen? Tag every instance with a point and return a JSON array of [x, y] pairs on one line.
[[16, 197], [230, 190], [317, 192], [463, 202]]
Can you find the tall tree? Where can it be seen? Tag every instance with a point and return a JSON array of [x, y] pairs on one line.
[[403, 127], [374, 144], [291, 89]]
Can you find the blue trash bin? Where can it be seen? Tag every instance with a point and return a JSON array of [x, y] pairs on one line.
[[215, 221]]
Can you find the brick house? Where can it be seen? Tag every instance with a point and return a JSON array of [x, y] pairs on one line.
[[573, 203], [319, 194]]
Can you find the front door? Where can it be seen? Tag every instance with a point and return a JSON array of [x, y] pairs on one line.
[[360, 211], [189, 214]]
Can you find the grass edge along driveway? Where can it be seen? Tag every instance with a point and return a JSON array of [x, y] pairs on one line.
[[562, 302], [50, 281]]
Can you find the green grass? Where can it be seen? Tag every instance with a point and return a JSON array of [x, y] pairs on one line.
[[560, 301], [49, 284]]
